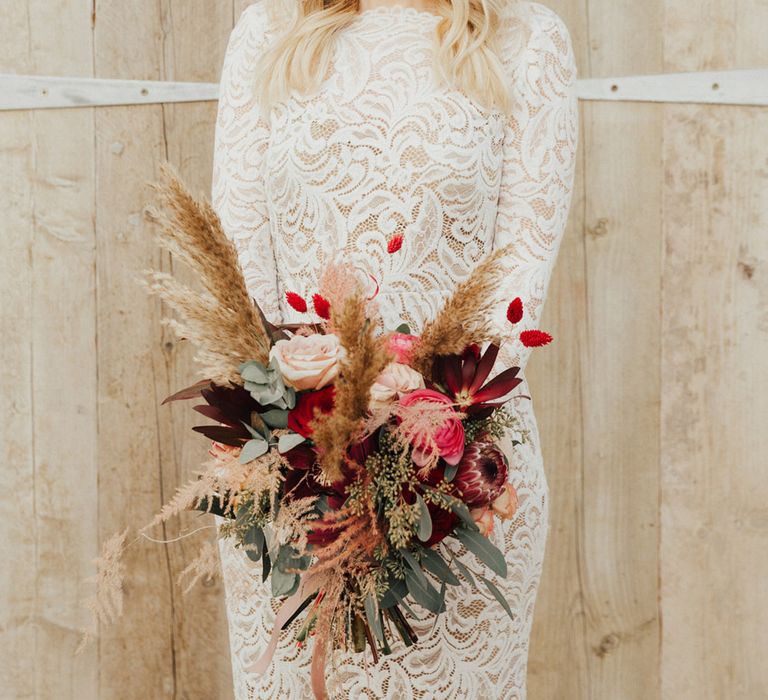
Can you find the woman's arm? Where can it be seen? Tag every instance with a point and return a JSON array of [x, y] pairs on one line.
[[241, 139], [539, 149]]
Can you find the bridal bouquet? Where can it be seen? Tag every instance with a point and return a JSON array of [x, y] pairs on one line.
[[350, 462]]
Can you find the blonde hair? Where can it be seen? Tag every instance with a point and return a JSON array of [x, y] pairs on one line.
[[464, 57]]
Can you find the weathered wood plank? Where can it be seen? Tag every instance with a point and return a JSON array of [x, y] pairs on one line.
[[715, 368], [200, 34], [52, 92], [139, 655], [17, 475], [59, 290], [735, 87], [183, 649], [600, 579]]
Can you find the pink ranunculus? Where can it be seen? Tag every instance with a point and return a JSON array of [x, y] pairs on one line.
[[483, 518], [402, 346], [448, 438], [394, 381], [308, 362]]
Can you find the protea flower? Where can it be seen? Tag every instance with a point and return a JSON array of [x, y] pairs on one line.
[[464, 376], [481, 475]]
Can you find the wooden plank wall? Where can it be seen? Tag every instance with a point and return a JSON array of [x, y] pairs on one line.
[[651, 404]]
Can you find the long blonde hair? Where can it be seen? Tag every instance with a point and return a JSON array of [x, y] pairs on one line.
[[464, 56]]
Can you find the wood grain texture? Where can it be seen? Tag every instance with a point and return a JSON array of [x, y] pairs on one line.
[[651, 404], [184, 649], [17, 475], [600, 420], [714, 544], [49, 298]]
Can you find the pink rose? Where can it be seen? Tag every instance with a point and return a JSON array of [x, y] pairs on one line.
[[308, 362], [448, 438], [396, 380], [483, 518], [402, 346], [505, 505]]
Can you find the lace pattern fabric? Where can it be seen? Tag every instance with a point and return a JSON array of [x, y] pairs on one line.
[[379, 149]]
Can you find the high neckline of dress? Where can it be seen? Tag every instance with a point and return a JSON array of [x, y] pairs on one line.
[[398, 13]]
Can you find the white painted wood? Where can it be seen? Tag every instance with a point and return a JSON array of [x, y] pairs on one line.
[[44, 92], [736, 87]]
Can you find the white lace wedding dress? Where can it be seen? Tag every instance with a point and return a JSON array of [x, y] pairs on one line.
[[381, 149]]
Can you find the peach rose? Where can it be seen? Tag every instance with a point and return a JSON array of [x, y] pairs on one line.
[[308, 362], [396, 379], [483, 518], [505, 505]]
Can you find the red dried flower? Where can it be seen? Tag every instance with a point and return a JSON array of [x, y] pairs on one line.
[[322, 306], [515, 310], [535, 339], [395, 243], [296, 301]]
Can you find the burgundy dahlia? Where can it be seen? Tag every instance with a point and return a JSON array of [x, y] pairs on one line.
[[481, 475]]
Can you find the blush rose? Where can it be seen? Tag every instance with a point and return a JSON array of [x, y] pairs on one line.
[[308, 362], [396, 380]]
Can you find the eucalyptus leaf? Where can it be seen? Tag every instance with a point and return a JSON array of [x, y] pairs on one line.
[[403, 328], [283, 584], [289, 441], [253, 371], [288, 559], [464, 571], [253, 542], [413, 565], [462, 511], [483, 549], [423, 592], [498, 595], [450, 471], [290, 397], [266, 566], [253, 449], [275, 418], [394, 595], [322, 504], [260, 431], [424, 528], [373, 618], [436, 565]]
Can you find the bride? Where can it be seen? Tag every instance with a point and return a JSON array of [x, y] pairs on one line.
[[441, 129]]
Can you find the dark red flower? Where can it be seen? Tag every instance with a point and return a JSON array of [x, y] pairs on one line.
[[515, 310], [464, 376], [443, 522], [481, 474], [296, 301], [395, 243], [535, 339], [475, 349], [322, 306], [301, 416]]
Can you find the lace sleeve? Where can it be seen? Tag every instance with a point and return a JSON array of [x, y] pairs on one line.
[[241, 139], [540, 139]]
